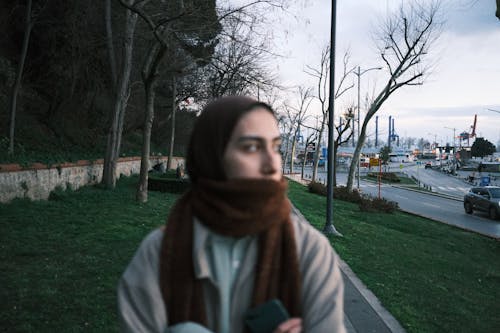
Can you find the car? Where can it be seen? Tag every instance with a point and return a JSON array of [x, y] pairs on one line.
[[428, 165], [483, 198]]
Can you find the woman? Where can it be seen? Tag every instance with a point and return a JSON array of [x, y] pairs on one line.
[[231, 242]]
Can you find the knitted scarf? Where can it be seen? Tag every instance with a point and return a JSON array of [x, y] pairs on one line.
[[233, 208]]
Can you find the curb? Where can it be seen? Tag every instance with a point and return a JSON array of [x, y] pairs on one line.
[[446, 196], [453, 225], [428, 217], [437, 194], [388, 319]]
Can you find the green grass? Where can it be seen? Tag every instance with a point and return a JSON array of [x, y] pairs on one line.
[[403, 180], [430, 276], [61, 260]]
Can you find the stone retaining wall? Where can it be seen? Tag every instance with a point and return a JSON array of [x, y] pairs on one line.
[[37, 181]]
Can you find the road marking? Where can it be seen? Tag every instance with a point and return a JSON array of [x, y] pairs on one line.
[[431, 205]]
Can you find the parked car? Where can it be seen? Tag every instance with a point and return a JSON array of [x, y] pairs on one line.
[[428, 165], [484, 198]]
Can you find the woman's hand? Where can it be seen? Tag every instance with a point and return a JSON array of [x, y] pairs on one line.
[[292, 325]]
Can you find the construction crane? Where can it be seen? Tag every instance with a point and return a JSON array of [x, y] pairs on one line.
[[466, 135], [493, 110]]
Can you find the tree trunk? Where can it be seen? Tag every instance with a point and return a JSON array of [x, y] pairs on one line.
[[120, 105], [142, 188], [172, 134], [17, 85], [285, 156], [318, 150], [335, 146], [109, 42], [150, 78], [304, 160], [294, 147], [357, 151]]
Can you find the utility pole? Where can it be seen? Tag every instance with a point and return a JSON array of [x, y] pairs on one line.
[[454, 130], [435, 139], [329, 229]]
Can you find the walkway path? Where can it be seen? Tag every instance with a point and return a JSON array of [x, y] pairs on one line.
[[363, 311]]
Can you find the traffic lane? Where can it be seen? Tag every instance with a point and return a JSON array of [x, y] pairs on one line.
[[440, 182], [431, 206], [440, 209]]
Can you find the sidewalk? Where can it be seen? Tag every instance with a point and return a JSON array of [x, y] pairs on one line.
[[363, 311]]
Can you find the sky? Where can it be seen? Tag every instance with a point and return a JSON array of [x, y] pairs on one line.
[[465, 80]]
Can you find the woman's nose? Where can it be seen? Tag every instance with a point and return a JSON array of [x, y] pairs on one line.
[[268, 163]]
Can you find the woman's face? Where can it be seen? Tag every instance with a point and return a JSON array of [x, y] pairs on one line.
[[253, 151]]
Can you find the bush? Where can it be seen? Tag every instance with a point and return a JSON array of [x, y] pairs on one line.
[[365, 202], [171, 185], [387, 176], [340, 193], [372, 204], [318, 188]]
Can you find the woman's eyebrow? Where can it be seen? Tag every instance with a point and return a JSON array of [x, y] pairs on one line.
[[256, 138], [250, 138]]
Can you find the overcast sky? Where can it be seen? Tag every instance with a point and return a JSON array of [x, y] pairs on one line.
[[465, 81]]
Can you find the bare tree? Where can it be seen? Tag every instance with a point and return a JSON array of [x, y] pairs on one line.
[[150, 76], [322, 74], [238, 66], [299, 115], [344, 127], [184, 48], [28, 26], [109, 42], [287, 121], [165, 38], [404, 42], [311, 138], [120, 101]]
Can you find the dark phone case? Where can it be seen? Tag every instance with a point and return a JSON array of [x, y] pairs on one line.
[[266, 317]]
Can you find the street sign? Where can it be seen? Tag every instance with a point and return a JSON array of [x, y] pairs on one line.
[[373, 161], [485, 181]]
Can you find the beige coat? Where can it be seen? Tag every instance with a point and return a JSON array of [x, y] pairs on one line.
[[141, 307]]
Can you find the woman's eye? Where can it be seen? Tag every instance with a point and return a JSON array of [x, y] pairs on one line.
[[251, 148], [277, 148]]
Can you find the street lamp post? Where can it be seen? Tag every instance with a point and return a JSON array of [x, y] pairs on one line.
[[435, 139], [358, 74], [454, 130], [329, 228]]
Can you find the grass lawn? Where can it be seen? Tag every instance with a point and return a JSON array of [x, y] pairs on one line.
[[403, 180], [430, 276], [61, 259]]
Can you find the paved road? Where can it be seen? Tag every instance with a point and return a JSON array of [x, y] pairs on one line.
[[447, 209], [438, 208]]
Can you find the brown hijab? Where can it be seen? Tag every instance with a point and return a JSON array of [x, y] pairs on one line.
[[234, 208]]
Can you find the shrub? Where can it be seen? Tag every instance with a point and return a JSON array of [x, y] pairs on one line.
[[318, 188], [57, 193], [365, 202], [340, 193], [387, 176], [372, 204], [171, 185]]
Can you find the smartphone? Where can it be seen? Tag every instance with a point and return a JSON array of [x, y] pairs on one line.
[[266, 317]]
